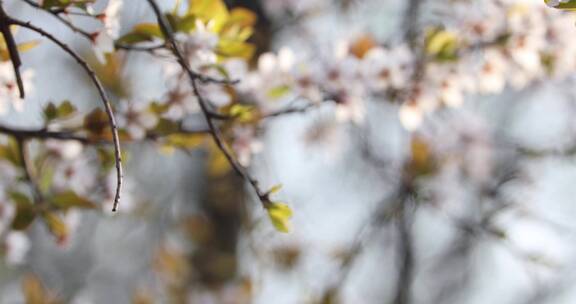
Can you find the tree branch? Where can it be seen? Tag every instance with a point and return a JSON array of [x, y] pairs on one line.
[[101, 92], [56, 14], [405, 252], [214, 131], [12, 48], [43, 134]]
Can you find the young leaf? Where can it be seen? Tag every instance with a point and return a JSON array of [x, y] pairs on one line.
[[56, 226], [25, 212], [280, 215], [33, 290], [96, 122], [69, 199], [185, 141], [275, 189]]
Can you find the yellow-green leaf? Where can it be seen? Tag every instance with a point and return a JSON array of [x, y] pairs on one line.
[[278, 92], [441, 44], [242, 16], [213, 11], [11, 152], [33, 290], [150, 29], [243, 113], [69, 199], [275, 189], [25, 212], [280, 215], [185, 141], [26, 46], [235, 48], [56, 226]]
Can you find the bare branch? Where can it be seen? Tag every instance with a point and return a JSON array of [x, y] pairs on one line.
[[12, 48], [101, 92], [56, 14]]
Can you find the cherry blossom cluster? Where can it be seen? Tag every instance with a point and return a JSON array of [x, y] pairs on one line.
[[473, 49]]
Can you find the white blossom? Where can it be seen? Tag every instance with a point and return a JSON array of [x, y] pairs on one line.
[[103, 42], [136, 119], [17, 245]]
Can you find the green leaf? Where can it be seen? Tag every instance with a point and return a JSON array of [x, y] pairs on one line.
[[142, 32], [278, 92], [441, 44], [46, 177], [185, 141], [150, 29], [186, 24], [60, 4], [20, 198], [275, 189], [213, 11], [50, 111], [62, 111], [11, 152], [96, 123], [133, 38], [65, 109], [235, 48], [166, 126], [280, 215], [25, 211], [57, 226], [70, 199], [243, 113]]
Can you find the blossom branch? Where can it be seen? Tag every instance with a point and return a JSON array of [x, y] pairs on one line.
[[214, 131], [44, 134], [101, 92]]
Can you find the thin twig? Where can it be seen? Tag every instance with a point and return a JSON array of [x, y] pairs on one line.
[[67, 23], [101, 92], [214, 131], [405, 252], [43, 134], [12, 49], [141, 48]]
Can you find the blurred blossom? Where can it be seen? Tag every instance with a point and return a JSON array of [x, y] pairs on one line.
[[386, 69], [9, 93], [17, 246], [463, 138], [200, 45], [522, 43], [215, 94], [103, 42], [68, 149], [77, 174], [135, 118], [287, 7], [411, 116], [245, 144]]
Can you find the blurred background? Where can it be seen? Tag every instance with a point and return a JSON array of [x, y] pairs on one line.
[[472, 203]]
